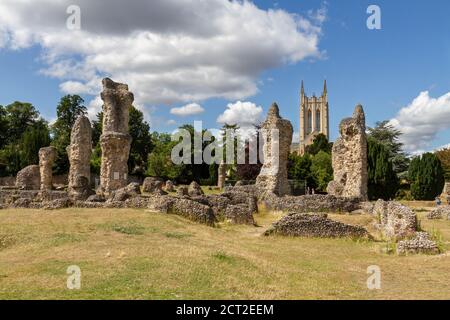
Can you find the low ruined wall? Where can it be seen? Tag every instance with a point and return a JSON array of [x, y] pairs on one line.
[[63, 179]]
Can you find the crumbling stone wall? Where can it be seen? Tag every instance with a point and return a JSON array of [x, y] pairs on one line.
[[395, 220], [221, 175], [349, 158], [47, 157], [315, 225], [115, 140], [277, 137], [420, 243], [79, 153], [441, 212], [29, 178]]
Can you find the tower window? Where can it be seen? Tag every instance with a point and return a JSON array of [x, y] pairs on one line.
[[318, 120], [309, 127]]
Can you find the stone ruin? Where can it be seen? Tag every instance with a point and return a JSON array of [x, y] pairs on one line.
[[277, 136], [441, 212], [349, 157], [420, 243], [236, 204], [446, 192], [395, 221], [47, 157], [315, 225], [222, 175], [115, 140], [79, 153], [29, 178]]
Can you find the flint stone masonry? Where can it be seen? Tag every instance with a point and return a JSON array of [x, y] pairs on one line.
[[182, 191], [47, 157], [184, 207], [130, 191], [312, 203], [195, 189], [277, 137], [421, 243], [115, 140], [222, 175], [33, 199], [349, 157], [239, 214], [315, 225], [79, 153], [395, 220], [439, 213], [29, 178], [169, 186], [153, 185], [446, 192]]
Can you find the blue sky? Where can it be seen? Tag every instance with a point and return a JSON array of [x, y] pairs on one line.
[[384, 70]]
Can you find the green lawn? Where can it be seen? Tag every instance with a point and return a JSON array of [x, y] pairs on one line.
[[133, 254]]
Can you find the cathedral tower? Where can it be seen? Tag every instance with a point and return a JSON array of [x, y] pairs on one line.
[[313, 117]]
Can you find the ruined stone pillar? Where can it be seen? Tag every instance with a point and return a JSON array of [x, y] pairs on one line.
[[115, 140], [349, 157], [277, 136], [221, 175], [79, 153], [47, 157]]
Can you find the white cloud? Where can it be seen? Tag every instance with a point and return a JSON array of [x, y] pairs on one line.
[[94, 107], [422, 120], [171, 122], [187, 110], [296, 137], [244, 114], [168, 51]]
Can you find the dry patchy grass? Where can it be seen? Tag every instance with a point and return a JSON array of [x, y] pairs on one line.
[[132, 254]]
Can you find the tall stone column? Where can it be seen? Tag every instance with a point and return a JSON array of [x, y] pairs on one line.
[[47, 157], [221, 175], [79, 152], [115, 140], [349, 158], [277, 136]]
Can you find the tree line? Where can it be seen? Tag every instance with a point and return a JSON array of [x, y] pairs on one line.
[[392, 174]]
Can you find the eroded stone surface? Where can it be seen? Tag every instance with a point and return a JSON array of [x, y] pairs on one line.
[[312, 203], [277, 137], [169, 186], [239, 214], [153, 185], [421, 243], [395, 220], [315, 225], [349, 158], [29, 178], [221, 177], [47, 157], [195, 189], [130, 191], [79, 153], [440, 212], [115, 140]]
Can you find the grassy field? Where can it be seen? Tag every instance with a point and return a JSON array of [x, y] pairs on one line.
[[133, 254]]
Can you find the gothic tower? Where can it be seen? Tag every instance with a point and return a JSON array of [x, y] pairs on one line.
[[313, 117]]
